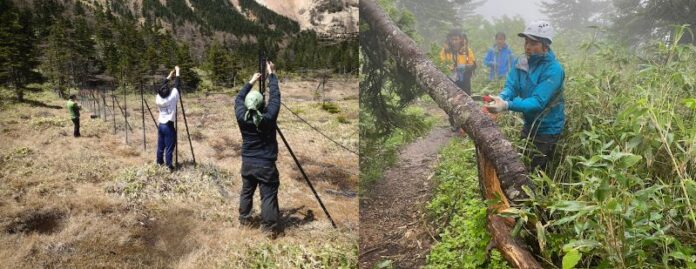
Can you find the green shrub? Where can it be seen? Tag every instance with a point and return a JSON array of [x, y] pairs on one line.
[[330, 107]]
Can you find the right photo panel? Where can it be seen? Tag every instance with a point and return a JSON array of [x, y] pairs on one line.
[[527, 134]]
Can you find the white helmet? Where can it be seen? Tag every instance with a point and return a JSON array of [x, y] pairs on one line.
[[538, 29]]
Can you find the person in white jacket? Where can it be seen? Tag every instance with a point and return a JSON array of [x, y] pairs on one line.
[[166, 101]]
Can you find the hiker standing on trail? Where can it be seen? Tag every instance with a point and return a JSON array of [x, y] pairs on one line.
[[74, 109], [535, 87], [498, 58], [461, 61], [257, 125], [166, 101]]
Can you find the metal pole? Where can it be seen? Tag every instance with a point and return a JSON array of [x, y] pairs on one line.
[[142, 110], [183, 113], [123, 112], [98, 104], [113, 111], [95, 100], [305, 176], [125, 109], [101, 93], [152, 116], [176, 136]]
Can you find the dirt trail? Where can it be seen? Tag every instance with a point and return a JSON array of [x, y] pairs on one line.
[[392, 222]]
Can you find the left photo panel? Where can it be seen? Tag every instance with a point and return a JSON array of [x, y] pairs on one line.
[[179, 134]]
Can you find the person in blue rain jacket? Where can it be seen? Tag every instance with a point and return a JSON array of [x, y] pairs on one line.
[[498, 58], [534, 87]]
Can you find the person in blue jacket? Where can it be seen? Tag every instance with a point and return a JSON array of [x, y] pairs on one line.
[[534, 87], [257, 124], [498, 58]]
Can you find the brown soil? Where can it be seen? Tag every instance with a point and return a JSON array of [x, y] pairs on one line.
[[393, 225], [96, 201]]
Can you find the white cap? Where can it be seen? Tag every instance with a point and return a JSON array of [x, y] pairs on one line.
[[537, 30]]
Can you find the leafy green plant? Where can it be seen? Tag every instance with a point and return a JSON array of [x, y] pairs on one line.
[[342, 119], [459, 211], [619, 194], [620, 190], [330, 107]]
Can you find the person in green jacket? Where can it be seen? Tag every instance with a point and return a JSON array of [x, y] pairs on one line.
[[74, 109]]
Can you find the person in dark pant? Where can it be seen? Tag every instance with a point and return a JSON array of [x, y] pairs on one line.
[[74, 109], [257, 125], [460, 59], [534, 87], [166, 134]]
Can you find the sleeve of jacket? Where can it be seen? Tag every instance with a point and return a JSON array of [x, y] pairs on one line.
[[164, 83], [488, 60], [545, 91], [239, 108], [177, 83], [274, 99]]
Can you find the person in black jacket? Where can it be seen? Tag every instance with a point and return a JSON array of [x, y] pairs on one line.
[[257, 125]]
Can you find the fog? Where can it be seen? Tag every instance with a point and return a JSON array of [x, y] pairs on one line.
[[528, 9]]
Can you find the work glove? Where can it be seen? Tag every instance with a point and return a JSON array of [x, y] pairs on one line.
[[498, 105], [254, 78], [176, 68]]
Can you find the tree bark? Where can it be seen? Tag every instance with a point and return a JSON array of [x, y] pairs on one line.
[[495, 148], [509, 246]]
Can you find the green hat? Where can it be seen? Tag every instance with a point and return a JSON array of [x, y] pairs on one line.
[[254, 103]]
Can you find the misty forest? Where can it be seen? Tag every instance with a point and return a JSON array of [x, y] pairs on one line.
[[619, 191]]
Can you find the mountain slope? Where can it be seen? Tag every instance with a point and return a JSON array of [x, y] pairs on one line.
[[335, 18]]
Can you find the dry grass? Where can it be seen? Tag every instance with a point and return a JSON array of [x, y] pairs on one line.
[[97, 202]]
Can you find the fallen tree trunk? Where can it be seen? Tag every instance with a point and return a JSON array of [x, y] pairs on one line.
[[499, 227], [449, 97], [466, 113]]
